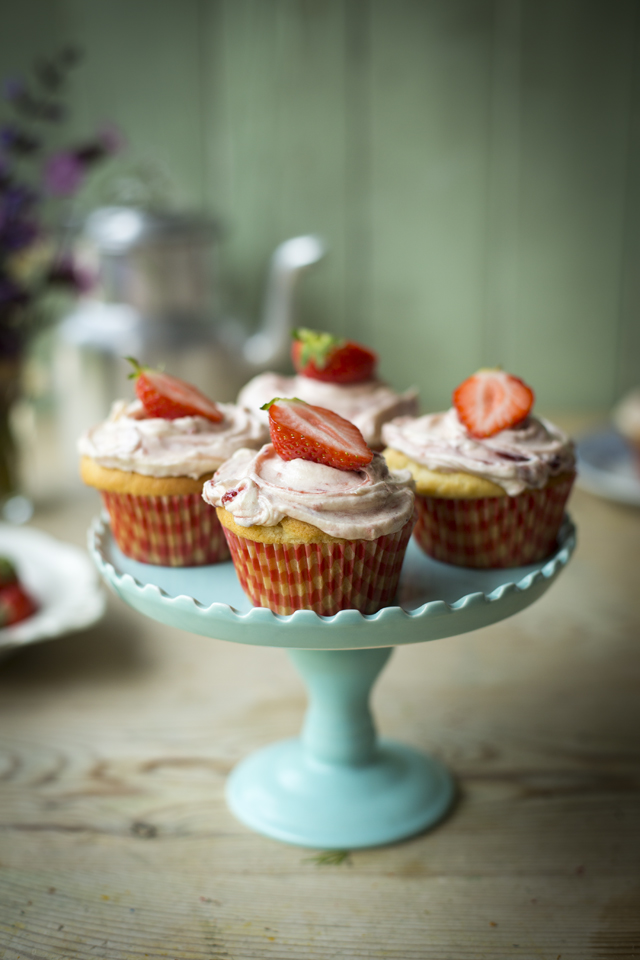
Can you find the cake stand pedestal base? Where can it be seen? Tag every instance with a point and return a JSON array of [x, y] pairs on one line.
[[337, 786]]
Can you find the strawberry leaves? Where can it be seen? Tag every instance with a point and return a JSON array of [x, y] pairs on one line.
[[321, 356]]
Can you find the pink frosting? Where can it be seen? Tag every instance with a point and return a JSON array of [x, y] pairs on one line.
[[521, 458], [132, 441], [261, 488], [368, 404]]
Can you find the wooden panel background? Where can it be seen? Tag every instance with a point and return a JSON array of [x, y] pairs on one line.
[[474, 165]]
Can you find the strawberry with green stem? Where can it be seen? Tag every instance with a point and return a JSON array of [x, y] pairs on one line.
[[322, 356], [169, 398]]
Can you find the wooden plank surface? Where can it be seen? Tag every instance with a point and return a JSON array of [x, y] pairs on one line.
[[141, 71], [275, 82], [431, 75], [115, 840], [575, 170]]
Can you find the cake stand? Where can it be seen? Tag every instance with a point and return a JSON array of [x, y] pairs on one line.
[[337, 786]]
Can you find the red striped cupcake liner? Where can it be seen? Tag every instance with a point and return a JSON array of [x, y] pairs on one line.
[[323, 577], [492, 531], [179, 530]]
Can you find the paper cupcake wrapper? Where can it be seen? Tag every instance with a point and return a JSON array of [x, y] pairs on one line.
[[180, 530], [323, 577], [492, 531]]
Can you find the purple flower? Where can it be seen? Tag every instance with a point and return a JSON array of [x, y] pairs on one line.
[[16, 235], [63, 173], [18, 228], [15, 140]]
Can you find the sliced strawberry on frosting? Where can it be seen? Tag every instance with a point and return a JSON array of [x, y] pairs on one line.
[[322, 356], [491, 401], [302, 431], [169, 398]]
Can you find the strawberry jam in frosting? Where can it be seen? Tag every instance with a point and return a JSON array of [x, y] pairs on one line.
[[130, 440], [368, 404], [520, 458], [261, 489]]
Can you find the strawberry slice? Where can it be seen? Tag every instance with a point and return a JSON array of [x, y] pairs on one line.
[[15, 605], [491, 401], [302, 431], [322, 356], [169, 398]]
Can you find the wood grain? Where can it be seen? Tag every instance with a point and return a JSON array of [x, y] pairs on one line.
[[115, 840]]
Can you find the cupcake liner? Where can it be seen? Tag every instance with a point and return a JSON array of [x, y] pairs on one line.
[[323, 577], [179, 530], [492, 531]]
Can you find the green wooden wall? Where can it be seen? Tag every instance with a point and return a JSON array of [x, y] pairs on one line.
[[474, 165]]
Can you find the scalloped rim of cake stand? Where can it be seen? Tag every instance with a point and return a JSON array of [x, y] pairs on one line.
[[348, 629]]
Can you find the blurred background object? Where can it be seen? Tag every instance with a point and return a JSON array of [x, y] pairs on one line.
[[155, 298], [38, 179], [61, 580]]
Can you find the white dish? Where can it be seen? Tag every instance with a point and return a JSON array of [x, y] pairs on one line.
[[606, 467], [62, 580]]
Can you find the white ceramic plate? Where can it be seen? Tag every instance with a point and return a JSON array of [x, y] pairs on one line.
[[59, 576], [606, 467]]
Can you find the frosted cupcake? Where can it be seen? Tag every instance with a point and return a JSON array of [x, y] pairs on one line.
[[492, 480], [315, 520], [149, 460], [338, 375]]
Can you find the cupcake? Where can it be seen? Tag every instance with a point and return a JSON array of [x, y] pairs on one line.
[[149, 460], [338, 375], [492, 480], [315, 520]]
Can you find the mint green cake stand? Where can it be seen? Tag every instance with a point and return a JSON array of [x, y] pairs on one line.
[[337, 786]]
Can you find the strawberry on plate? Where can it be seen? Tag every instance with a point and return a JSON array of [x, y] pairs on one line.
[[15, 605], [169, 398], [322, 356], [491, 401], [300, 430]]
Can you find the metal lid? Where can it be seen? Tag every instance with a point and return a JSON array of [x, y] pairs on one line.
[[118, 229]]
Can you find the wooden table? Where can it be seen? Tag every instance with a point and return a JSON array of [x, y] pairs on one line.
[[115, 743]]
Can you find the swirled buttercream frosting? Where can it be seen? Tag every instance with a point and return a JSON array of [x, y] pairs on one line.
[[368, 404], [132, 441], [261, 489], [523, 457]]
